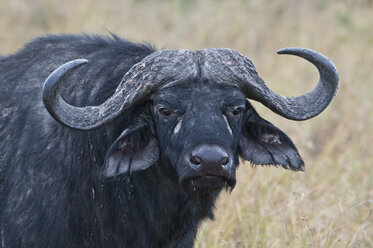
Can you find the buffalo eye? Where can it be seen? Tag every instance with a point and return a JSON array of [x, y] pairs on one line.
[[165, 111], [237, 111]]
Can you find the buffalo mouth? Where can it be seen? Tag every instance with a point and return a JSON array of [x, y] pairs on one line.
[[207, 183]]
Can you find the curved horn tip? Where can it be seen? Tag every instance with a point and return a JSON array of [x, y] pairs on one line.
[[73, 63], [295, 50], [305, 53], [312, 56], [61, 70], [79, 61], [55, 76], [314, 102], [50, 87]]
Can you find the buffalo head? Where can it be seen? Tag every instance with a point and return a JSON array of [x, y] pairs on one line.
[[194, 114]]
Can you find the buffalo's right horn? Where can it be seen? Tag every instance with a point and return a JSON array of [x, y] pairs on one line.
[[137, 84]]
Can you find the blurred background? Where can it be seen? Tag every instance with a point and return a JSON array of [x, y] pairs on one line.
[[330, 204]]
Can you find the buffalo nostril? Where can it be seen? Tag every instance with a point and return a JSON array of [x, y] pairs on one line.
[[195, 160], [224, 161]]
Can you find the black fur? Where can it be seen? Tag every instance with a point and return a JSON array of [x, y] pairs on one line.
[[52, 193]]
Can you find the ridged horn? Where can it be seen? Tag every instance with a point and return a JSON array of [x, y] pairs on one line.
[[137, 84], [167, 66], [230, 66]]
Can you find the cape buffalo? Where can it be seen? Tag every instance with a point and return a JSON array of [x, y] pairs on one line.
[[126, 146]]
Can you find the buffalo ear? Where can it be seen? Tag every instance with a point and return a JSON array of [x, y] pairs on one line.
[[135, 149], [264, 144]]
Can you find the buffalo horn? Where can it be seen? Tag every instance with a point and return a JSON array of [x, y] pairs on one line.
[[137, 84], [230, 66], [167, 66]]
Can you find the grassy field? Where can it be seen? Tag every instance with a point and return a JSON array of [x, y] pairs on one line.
[[329, 205]]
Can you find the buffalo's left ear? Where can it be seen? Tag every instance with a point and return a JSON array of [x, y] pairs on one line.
[[264, 144], [135, 149]]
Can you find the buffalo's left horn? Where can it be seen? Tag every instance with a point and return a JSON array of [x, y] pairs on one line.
[[137, 84], [231, 66]]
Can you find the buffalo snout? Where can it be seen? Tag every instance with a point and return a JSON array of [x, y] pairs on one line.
[[210, 166], [208, 158]]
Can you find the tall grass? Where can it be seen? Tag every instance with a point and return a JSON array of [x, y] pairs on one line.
[[330, 205]]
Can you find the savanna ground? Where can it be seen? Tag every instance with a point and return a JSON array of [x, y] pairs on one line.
[[329, 205]]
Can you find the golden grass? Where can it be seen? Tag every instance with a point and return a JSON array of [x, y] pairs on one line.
[[330, 205]]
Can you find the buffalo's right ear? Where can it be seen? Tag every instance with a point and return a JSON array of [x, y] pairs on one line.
[[135, 149]]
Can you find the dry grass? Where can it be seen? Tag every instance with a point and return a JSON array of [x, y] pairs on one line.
[[330, 205]]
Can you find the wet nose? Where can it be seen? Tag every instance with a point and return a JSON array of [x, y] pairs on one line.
[[209, 156]]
